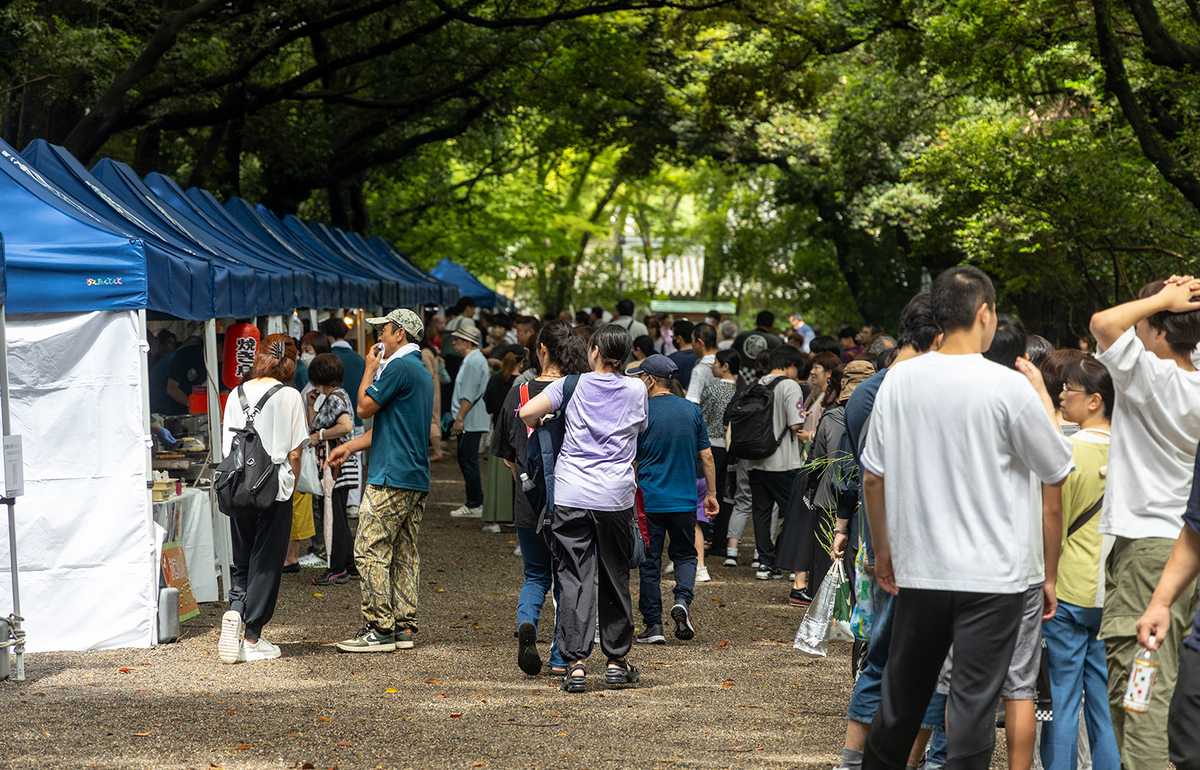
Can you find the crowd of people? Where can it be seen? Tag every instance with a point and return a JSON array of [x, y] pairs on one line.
[[1019, 521]]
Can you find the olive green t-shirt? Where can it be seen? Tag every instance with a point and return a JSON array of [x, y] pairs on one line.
[[1080, 568]]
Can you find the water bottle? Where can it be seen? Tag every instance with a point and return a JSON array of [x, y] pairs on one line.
[[526, 482], [1141, 680]]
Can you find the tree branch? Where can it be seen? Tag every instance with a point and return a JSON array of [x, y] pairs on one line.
[[1161, 47], [578, 13]]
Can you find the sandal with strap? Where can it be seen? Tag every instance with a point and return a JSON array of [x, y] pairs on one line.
[[619, 671], [573, 682]]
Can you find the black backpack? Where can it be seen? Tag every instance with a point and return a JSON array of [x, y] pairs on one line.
[[751, 423], [541, 452], [247, 481]]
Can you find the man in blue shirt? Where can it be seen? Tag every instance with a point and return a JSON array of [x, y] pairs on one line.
[[471, 421], [385, 547], [675, 435]]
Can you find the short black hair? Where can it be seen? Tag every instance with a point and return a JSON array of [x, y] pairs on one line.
[[334, 327], [765, 318], [683, 329], [528, 320], [644, 343], [1037, 348], [886, 358], [326, 369], [1093, 377], [1183, 329], [597, 311], [1009, 343], [918, 328], [582, 317], [714, 314], [956, 295], [784, 356], [847, 332], [825, 343], [502, 321], [625, 306], [706, 334], [874, 327]]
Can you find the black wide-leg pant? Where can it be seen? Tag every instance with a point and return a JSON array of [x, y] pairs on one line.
[[259, 547], [586, 541]]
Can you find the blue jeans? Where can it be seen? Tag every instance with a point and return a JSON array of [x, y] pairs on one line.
[[1078, 674], [539, 578], [869, 687], [681, 528], [468, 463]]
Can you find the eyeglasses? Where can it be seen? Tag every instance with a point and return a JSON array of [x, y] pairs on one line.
[[1065, 389]]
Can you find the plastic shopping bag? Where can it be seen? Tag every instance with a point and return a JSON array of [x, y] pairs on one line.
[[839, 629], [819, 626], [310, 478], [863, 616]]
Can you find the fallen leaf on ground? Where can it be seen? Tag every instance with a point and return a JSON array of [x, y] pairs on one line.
[[724, 643], [455, 716], [324, 719], [432, 681], [343, 743], [391, 689], [123, 670], [242, 747], [140, 735]]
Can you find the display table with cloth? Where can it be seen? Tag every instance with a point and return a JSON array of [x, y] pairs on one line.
[[193, 527]]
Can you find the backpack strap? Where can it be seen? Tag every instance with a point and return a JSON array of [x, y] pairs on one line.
[[524, 391], [250, 415], [569, 390], [1087, 516]]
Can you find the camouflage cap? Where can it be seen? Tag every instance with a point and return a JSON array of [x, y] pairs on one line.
[[406, 319]]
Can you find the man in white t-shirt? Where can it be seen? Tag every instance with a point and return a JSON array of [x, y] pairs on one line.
[[946, 485], [1146, 346], [625, 319]]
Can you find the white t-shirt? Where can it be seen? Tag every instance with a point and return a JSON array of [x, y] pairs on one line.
[[281, 425], [701, 376], [1035, 573], [955, 438], [787, 413], [1155, 430]]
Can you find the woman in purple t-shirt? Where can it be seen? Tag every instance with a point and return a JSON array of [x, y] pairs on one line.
[[594, 519]]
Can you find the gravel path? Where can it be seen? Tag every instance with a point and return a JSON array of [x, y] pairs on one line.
[[737, 695]]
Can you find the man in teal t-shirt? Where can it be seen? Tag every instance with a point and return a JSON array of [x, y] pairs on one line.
[[669, 451], [400, 398]]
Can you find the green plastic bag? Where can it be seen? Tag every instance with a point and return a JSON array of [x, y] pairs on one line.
[[842, 606]]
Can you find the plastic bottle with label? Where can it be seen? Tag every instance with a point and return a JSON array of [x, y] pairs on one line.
[[1141, 680]]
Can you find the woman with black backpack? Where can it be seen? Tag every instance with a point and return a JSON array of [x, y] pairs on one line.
[[594, 522], [560, 354], [260, 537]]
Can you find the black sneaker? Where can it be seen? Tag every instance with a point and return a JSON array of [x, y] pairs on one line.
[[683, 622], [527, 655], [799, 597], [651, 635], [328, 578], [769, 573]]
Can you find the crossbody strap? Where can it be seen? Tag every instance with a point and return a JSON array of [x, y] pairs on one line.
[[1087, 516]]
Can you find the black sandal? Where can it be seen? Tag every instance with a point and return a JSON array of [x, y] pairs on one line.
[[559, 671], [572, 682], [620, 672]]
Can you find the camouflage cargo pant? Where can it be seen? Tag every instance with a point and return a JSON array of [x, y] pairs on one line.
[[385, 550]]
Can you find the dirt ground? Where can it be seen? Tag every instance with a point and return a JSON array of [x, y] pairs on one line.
[[737, 696]]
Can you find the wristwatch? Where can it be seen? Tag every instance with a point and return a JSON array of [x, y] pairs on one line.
[[841, 532]]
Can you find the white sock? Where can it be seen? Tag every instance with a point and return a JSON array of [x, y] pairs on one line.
[[731, 552]]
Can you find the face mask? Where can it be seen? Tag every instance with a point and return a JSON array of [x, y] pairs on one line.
[[307, 358]]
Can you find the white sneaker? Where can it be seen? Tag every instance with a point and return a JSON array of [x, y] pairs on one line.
[[491, 528], [352, 512], [517, 551], [312, 560], [669, 569], [467, 513], [730, 561], [702, 575], [229, 646], [260, 650]]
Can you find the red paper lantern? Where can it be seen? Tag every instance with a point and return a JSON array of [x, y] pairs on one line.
[[241, 346]]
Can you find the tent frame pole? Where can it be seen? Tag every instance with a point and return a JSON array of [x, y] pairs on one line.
[[14, 620], [216, 454], [144, 381]]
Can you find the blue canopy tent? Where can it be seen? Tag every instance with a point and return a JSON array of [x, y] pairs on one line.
[[77, 373], [431, 288], [383, 289], [448, 292], [270, 293], [469, 285], [300, 284], [180, 281], [326, 236]]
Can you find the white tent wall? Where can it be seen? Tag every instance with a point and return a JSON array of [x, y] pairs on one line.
[[88, 574]]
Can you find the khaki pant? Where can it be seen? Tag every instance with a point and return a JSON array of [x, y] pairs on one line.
[[385, 550], [1131, 575]]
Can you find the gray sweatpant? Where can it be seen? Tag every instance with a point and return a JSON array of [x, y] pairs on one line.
[[742, 500]]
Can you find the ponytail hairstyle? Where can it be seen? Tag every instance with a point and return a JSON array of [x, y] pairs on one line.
[[613, 344], [834, 388], [565, 349], [731, 358], [512, 364], [276, 359]]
